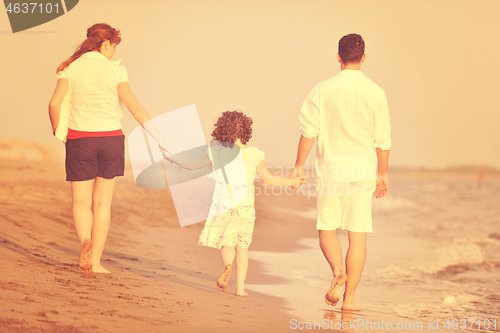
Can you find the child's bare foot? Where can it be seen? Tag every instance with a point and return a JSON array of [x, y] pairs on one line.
[[100, 270], [333, 294], [85, 262], [224, 277], [241, 292]]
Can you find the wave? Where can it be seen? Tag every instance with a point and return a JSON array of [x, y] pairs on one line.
[[452, 256], [444, 260]]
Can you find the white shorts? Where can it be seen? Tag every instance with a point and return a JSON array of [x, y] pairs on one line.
[[345, 205]]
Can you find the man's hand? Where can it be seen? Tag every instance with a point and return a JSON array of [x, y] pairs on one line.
[[382, 186], [299, 181], [382, 179], [300, 174]]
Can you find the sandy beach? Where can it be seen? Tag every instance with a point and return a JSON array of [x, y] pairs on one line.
[[424, 263], [161, 280]]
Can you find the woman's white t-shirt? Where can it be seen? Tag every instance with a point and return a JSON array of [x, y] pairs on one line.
[[92, 103]]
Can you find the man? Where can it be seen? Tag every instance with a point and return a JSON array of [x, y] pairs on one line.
[[348, 114]]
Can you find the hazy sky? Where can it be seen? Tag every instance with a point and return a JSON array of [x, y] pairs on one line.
[[436, 60]]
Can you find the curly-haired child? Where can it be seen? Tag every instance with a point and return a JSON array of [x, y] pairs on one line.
[[230, 224]]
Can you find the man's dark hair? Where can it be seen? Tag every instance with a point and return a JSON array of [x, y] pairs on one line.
[[351, 48]]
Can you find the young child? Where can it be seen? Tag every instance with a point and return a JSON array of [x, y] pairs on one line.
[[230, 224]]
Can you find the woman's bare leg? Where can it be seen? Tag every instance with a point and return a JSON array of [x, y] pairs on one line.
[[241, 270], [82, 204], [82, 216], [101, 198]]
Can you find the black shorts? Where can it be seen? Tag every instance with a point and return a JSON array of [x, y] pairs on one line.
[[88, 158]]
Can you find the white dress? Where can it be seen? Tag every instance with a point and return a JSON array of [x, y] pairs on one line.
[[232, 214]]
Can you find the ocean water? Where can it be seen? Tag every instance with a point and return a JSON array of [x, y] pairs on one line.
[[434, 259]]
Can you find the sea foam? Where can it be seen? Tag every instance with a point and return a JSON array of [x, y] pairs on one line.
[[457, 254]]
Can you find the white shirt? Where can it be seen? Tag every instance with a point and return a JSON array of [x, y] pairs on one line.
[[92, 103], [349, 115]]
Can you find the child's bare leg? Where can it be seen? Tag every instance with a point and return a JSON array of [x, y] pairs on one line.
[[241, 270], [227, 255], [102, 196]]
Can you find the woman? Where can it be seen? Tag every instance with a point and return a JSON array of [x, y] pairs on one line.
[[95, 144]]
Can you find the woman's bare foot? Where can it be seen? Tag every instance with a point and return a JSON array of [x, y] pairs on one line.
[[333, 294], [100, 270], [224, 277], [241, 292], [85, 262]]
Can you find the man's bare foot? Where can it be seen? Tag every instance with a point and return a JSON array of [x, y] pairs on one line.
[[333, 294], [241, 292], [100, 270], [85, 262], [349, 306], [224, 277]]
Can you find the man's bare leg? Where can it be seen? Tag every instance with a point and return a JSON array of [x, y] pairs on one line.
[[355, 262], [332, 250]]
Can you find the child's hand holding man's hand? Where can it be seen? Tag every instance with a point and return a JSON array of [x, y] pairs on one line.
[[298, 173], [299, 181]]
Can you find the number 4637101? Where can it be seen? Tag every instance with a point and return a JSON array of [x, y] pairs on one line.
[[471, 323], [32, 8]]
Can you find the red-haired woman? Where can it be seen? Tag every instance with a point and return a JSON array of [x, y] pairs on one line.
[[85, 113]]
